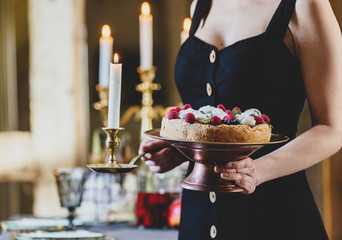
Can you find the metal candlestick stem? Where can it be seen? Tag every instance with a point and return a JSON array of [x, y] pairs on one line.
[[112, 144]]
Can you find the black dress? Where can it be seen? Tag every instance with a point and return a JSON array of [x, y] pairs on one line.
[[256, 72]]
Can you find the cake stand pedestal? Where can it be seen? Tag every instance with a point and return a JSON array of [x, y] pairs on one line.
[[208, 154]]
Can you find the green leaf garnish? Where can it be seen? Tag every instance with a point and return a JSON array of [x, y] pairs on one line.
[[235, 112]]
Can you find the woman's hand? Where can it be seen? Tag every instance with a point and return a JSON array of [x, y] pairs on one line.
[[161, 156], [243, 172]]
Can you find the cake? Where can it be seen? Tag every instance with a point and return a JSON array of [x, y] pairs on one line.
[[216, 124]]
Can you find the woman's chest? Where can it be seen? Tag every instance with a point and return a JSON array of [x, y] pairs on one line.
[[237, 74], [230, 21]]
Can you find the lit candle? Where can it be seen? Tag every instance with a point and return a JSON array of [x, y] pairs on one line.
[[106, 53], [114, 93], [186, 29], [146, 37]]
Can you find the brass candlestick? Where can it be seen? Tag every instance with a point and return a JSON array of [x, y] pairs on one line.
[[112, 145], [146, 113]]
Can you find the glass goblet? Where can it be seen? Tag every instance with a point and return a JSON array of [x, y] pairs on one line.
[[70, 188]]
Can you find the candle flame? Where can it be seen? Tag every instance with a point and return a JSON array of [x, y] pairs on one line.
[[116, 58], [187, 24], [145, 9], [105, 31]]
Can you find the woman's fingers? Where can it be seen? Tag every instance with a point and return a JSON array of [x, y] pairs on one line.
[[244, 181], [159, 156], [162, 160], [233, 176], [149, 145], [244, 163], [243, 172], [164, 167], [160, 168], [249, 171], [245, 166]]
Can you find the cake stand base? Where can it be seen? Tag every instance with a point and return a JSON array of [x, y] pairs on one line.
[[204, 178]]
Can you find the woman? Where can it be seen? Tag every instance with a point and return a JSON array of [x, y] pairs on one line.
[[271, 55]]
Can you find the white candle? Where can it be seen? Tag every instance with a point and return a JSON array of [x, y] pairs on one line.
[[114, 93], [105, 57], [186, 29], [146, 37]]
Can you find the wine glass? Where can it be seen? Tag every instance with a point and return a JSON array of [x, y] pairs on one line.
[[70, 188]]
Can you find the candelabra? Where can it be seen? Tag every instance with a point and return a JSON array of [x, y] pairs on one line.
[[102, 104], [146, 113]]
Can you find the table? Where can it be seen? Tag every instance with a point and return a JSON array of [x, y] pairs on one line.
[[125, 232], [134, 233]]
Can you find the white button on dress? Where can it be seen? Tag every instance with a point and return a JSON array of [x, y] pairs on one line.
[[212, 197], [209, 89], [213, 231], [212, 56]]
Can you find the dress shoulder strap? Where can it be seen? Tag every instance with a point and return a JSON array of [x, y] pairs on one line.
[[201, 11], [281, 19]]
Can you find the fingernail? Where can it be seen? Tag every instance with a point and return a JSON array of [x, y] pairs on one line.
[[148, 155], [225, 174]]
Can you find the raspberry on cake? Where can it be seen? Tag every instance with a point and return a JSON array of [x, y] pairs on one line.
[[258, 120], [229, 117], [186, 106], [221, 107], [215, 120], [178, 109], [216, 124], [190, 118], [265, 118], [172, 114]]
